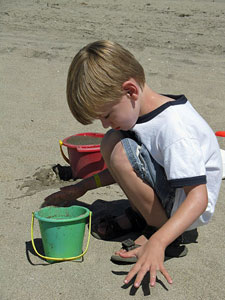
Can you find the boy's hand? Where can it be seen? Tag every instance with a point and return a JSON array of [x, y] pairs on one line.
[[65, 195], [150, 258]]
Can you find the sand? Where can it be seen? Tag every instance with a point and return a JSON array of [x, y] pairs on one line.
[[181, 45], [84, 140]]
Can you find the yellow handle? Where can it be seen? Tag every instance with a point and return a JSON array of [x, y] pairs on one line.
[[61, 150], [55, 258]]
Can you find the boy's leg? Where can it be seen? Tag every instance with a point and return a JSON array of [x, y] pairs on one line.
[[140, 194]]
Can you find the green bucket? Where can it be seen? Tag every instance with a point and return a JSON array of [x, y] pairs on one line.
[[62, 231]]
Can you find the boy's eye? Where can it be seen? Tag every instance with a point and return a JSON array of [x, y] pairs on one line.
[[106, 117]]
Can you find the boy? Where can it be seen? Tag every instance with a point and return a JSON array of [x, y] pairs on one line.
[[160, 151]]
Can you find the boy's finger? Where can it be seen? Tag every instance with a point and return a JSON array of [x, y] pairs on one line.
[[153, 274], [166, 275], [132, 273], [140, 276], [152, 280]]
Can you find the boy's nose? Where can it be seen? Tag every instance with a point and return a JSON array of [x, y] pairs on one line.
[[105, 123]]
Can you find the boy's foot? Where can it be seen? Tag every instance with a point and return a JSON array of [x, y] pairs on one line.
[[188, 237], [111, 227], [173, 250], [141, 240]]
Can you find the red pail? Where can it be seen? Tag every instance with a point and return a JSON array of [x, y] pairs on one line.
[[84, 159]]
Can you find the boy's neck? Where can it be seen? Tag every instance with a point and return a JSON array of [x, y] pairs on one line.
[[151, 100]]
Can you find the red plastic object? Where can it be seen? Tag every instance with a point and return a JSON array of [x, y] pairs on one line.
[[220, 133], [85, 160]]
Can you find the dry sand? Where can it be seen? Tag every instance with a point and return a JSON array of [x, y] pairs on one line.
[[181, 45]]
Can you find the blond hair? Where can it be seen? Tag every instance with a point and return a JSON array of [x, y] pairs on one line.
[[96, 76]]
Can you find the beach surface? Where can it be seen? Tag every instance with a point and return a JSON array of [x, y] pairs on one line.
[[181, 45]]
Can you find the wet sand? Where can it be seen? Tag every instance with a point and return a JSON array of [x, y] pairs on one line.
[[84, 140]]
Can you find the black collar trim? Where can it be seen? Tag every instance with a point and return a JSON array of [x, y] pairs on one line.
[[180, 99]]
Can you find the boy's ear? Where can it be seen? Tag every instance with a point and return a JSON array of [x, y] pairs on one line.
[[131, 88]]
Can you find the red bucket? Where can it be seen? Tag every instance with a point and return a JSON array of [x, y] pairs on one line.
[[85, 159]]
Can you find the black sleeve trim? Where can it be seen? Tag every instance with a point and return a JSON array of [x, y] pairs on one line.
[[188, 181]]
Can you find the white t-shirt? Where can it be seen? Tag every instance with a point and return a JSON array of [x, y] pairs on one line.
[[181, 141]]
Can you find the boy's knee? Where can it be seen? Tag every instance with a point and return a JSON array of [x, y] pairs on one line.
[[109, 142]]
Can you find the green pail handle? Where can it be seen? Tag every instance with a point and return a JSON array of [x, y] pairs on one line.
[[57, 258]]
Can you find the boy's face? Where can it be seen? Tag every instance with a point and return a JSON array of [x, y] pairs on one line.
[[121, 115]]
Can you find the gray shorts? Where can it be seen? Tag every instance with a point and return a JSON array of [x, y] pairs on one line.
[[149, 170]]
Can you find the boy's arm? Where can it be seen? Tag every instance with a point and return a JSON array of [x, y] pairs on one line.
[[151, 255], [190, 210], [77, 190]]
